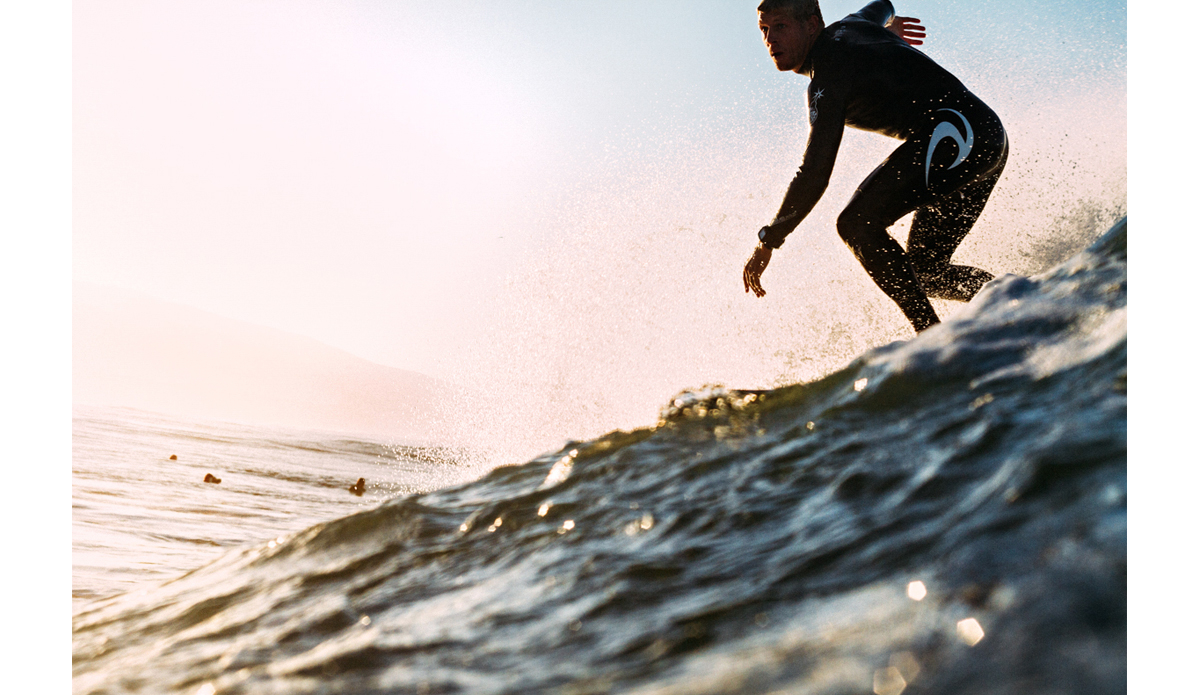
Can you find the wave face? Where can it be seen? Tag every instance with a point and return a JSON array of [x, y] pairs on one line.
[[748, 543]]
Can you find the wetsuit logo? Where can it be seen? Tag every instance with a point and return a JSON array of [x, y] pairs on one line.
[[945, 130]]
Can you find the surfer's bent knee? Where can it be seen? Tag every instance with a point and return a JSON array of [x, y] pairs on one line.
[[857, 230]]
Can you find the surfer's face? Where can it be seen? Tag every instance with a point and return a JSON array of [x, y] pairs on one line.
[[788, 39]]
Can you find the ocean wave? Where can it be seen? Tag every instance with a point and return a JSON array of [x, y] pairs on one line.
[[944, 514]]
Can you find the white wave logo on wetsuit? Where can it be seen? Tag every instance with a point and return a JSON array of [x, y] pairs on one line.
[[945, 130]]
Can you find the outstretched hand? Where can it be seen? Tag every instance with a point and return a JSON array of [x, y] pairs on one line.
[[752, 275], [909, 29]]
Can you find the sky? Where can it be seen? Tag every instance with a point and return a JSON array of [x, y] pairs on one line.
[[548, 203], [370, 173], [381, 176]]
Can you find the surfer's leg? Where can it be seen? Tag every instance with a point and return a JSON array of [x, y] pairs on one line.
[[926, 173], [886, 263], [937, 230], [893, 190]]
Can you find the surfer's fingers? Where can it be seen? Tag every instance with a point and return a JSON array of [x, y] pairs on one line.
[[749, 276], [909, 29]]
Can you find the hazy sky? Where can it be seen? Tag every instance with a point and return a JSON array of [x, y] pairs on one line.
[[372, 174]]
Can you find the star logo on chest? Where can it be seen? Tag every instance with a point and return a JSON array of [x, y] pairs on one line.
[[817, 95]]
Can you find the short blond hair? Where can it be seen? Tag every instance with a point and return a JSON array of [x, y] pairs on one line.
[[800, 10]]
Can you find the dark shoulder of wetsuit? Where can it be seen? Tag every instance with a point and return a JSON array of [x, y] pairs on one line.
[[866, 77], [878, 12]]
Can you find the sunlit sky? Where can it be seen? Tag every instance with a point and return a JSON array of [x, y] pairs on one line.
[[370, 173], [581, 96]]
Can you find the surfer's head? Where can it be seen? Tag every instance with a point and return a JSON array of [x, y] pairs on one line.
[[789, 29]]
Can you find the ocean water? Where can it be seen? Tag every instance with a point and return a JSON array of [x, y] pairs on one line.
[[945, 514], [140, 517]]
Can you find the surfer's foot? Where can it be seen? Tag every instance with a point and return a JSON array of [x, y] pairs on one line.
[[918, 311], [921, 325]]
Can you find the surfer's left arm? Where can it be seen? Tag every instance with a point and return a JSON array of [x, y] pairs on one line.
[[752, 273], [827, 122]]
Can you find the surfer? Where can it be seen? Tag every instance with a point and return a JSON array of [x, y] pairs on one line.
[[210, 478], [866, 74], [358, 488]]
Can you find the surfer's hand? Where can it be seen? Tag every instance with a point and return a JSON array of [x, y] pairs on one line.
[[909, 29], [752, 275]]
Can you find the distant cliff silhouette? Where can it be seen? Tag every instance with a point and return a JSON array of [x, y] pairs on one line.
[[133, 350]]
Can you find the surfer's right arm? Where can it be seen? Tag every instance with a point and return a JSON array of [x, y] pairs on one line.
[[882, 12], [909, 29]]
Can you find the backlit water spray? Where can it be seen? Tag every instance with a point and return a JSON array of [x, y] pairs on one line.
[[632, 291]]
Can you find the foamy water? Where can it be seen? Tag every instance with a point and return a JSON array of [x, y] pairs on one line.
[[946, 515]]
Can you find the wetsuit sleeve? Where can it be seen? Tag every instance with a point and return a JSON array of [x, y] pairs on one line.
[[827, 121], [880, 12]]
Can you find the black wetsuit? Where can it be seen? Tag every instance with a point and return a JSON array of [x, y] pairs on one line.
[[866, 77]]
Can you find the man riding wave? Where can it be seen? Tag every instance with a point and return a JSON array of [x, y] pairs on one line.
[[866, 74]]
